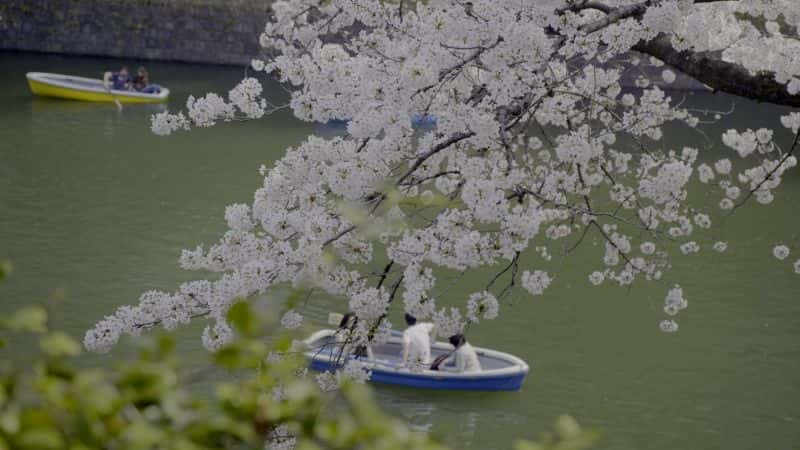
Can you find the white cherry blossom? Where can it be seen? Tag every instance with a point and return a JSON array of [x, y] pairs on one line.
[[668, 76], [781, 252], [535, 282], [596, 278], [291, 320], [482, 305], [668, 326]]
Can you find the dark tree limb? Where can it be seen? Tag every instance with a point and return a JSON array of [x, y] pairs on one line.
[[705, 67], [710, 69], [614, 15], [385, 274], [584, 4], [436, 149], [771, 172]]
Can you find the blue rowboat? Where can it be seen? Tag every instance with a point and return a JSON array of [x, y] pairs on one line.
[[424, 121], [501, 371]]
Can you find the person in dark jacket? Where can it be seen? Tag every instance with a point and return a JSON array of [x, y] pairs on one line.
[[121, 81], [141, 82]]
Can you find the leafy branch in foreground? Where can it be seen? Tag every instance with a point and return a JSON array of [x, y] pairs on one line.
[[53, 403]]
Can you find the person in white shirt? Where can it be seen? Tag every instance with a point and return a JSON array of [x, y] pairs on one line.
[[464, 358], [417, 343]]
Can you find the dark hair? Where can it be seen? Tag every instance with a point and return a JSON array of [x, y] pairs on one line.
[[410, 320], [346, 319], [457, 340]]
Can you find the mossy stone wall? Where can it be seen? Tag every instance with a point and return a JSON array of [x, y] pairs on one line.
[[207, 31]]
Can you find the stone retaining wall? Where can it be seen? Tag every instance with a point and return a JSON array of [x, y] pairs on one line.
[[206, 31], [203, 31]]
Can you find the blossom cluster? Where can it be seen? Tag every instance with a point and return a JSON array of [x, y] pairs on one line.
[[482, 305], [244, 101], [537, 149]]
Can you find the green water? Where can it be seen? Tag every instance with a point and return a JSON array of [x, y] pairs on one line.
[[95, 209]]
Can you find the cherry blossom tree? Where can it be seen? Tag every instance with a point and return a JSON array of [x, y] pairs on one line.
[[537, 148]]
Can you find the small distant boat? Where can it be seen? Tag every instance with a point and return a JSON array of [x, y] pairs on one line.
[[86, 89], [424, 121], [501, 371]]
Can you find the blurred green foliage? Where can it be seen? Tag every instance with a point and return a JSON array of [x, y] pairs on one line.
[[567, 435], [141, 404]]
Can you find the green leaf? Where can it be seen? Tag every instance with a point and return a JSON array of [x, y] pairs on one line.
[[142, 435], [145, 383], [96, 395], [229, 356], [78, 446], [40, 438], [165, 345], [31, 319], [567, 427], [58, 368], [307, 445], [243, 319], [5, 269], [58, 344], [569, 435], [9, 420]]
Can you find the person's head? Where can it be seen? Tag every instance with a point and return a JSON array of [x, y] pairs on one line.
[[123, 70], [410, 320], [142, 72], [457, 340], [348, 320]]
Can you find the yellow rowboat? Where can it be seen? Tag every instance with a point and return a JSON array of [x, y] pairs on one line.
[[86, 89]]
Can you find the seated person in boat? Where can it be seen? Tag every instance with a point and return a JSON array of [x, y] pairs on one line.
[[464, 359], [417, 343], [345, 335], [141, 82], [120, 81]]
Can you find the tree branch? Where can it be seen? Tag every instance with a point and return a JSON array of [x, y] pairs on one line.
[[585, 4], [730, 78], [705, 67], [614, 15], [434, 150], [771, 172], [498, 275], [385, 273]]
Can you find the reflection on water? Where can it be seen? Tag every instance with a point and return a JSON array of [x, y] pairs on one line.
[[92, 203], [418, 415], [50, 116], [48, 106]]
